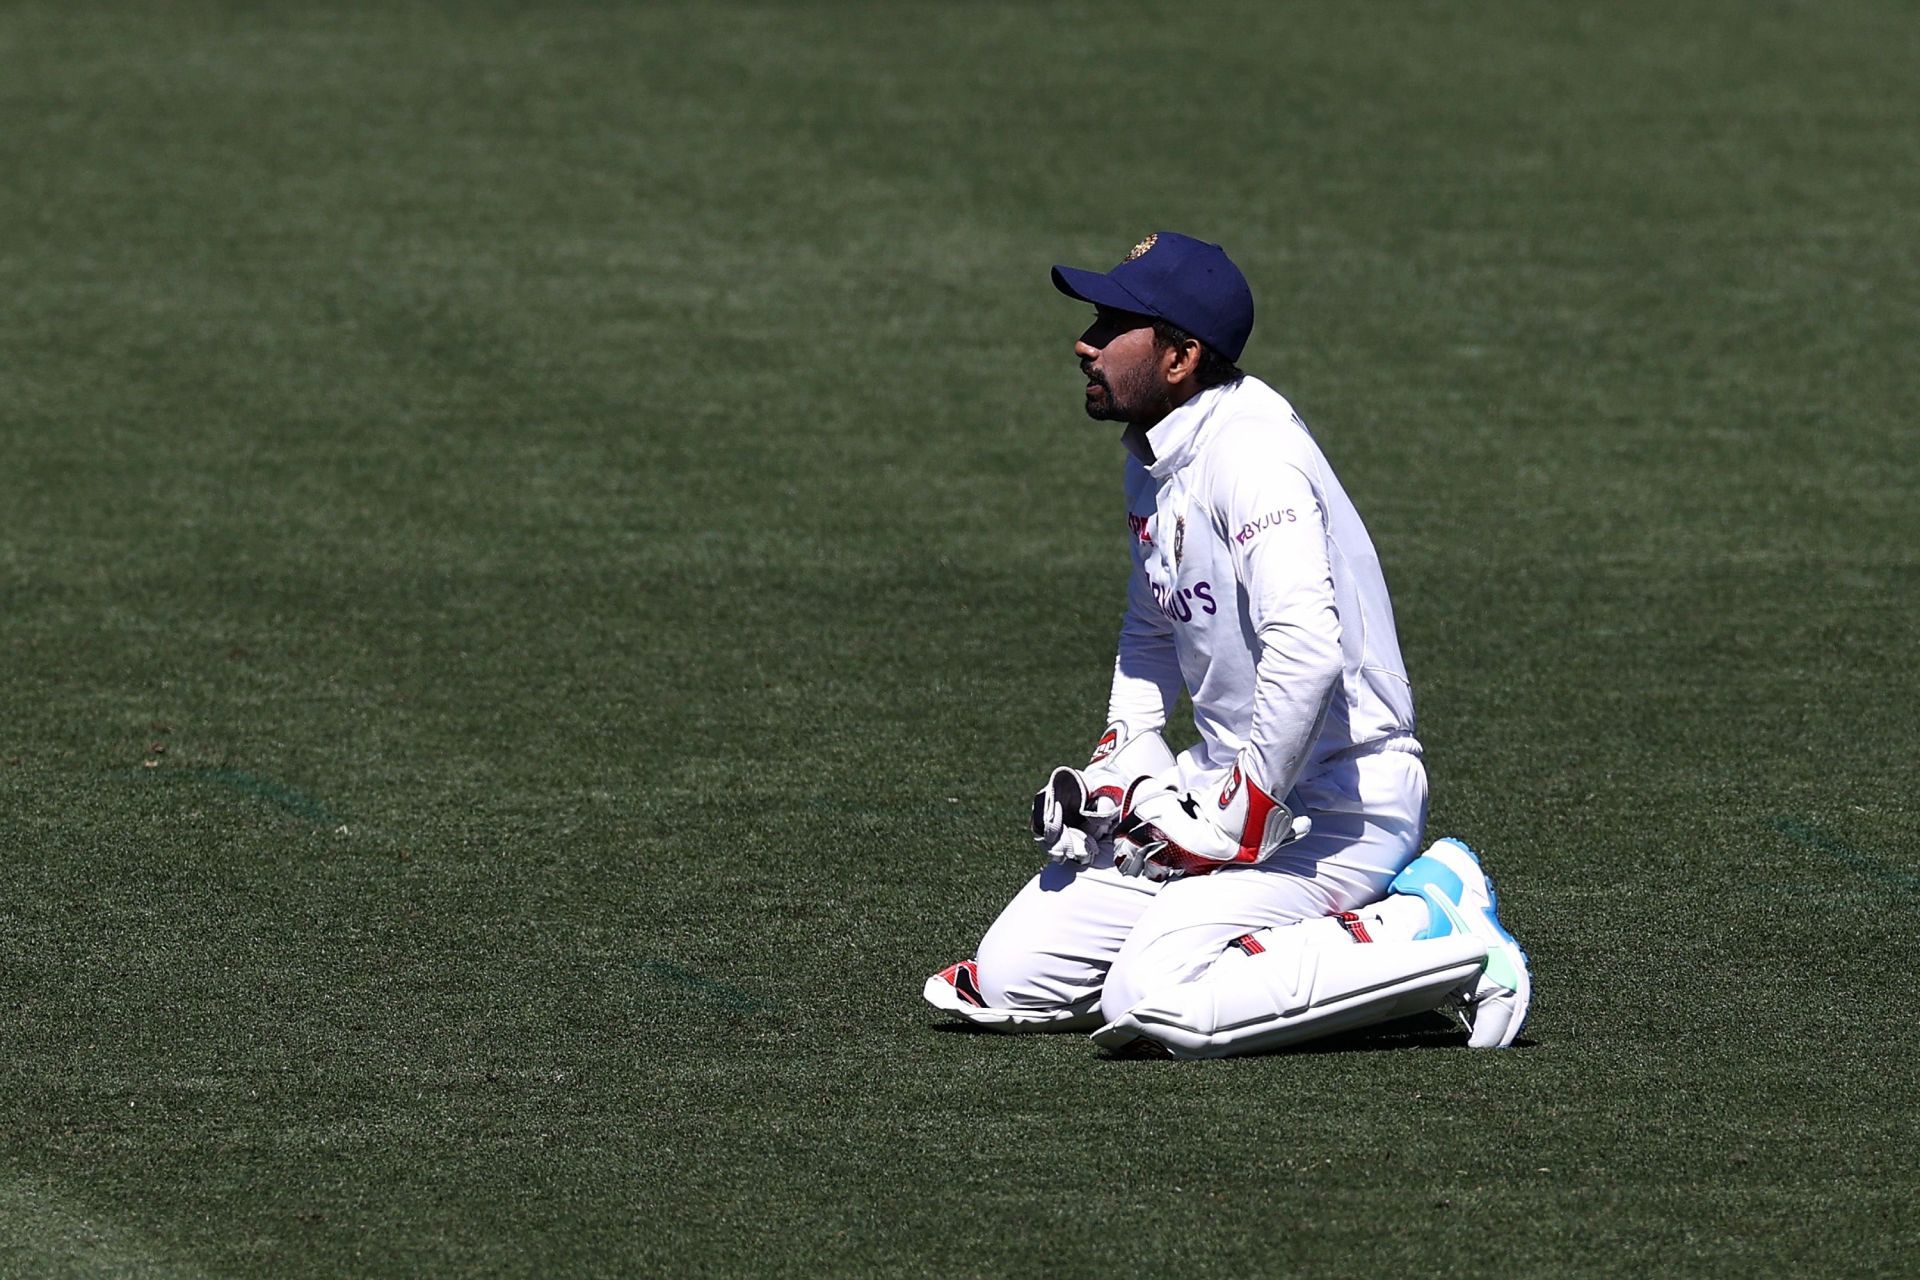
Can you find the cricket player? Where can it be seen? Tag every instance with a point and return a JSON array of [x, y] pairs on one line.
[[1264, 886]]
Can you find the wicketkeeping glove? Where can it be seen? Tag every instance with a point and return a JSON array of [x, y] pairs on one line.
[[1068, 822], [1076, 810], [1167, 832]]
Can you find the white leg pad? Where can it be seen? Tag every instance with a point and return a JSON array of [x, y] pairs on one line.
[[1299, 987]]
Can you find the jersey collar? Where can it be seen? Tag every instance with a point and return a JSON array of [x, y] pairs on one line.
[[1173, 439]]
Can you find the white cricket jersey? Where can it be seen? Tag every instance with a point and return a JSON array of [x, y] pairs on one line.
[[1256, 585]]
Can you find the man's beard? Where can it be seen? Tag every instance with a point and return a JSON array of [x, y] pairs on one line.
[[1135, 401]]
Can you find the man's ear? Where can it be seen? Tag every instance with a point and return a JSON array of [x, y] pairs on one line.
[[1184, 361]]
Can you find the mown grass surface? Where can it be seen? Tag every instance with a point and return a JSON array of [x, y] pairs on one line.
[[547, 546]]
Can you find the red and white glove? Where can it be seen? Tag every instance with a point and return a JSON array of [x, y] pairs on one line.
[[1076, 810], [1167, 832]]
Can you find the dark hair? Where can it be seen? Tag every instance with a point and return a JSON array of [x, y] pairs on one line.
[[1215, 369]]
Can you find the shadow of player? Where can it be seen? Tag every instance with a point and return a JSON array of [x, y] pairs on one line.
[[1420, 1031]]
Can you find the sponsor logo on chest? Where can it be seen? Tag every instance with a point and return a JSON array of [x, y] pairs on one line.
[[1181, 605]]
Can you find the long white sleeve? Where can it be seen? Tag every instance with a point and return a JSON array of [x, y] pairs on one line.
[[1277, 533]]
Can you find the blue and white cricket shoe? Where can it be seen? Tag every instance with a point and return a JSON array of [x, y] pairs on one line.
[[1460, 899]]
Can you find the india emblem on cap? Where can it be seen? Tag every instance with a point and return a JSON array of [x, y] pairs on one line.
[[1143, 246]]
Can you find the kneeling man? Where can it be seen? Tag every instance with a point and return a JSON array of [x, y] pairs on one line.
[[1262, 887]]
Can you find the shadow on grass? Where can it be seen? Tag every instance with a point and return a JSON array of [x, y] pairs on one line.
[[1421, 1031], [974, 1029]]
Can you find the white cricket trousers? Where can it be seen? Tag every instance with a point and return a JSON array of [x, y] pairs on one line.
[[1090, 940]]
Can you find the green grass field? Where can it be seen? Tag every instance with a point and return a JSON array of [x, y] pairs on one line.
[[547, 547]]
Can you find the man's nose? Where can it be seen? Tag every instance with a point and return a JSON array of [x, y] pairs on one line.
[[1084, 349]]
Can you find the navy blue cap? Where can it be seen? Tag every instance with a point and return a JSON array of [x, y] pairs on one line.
[[1175, 278]]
